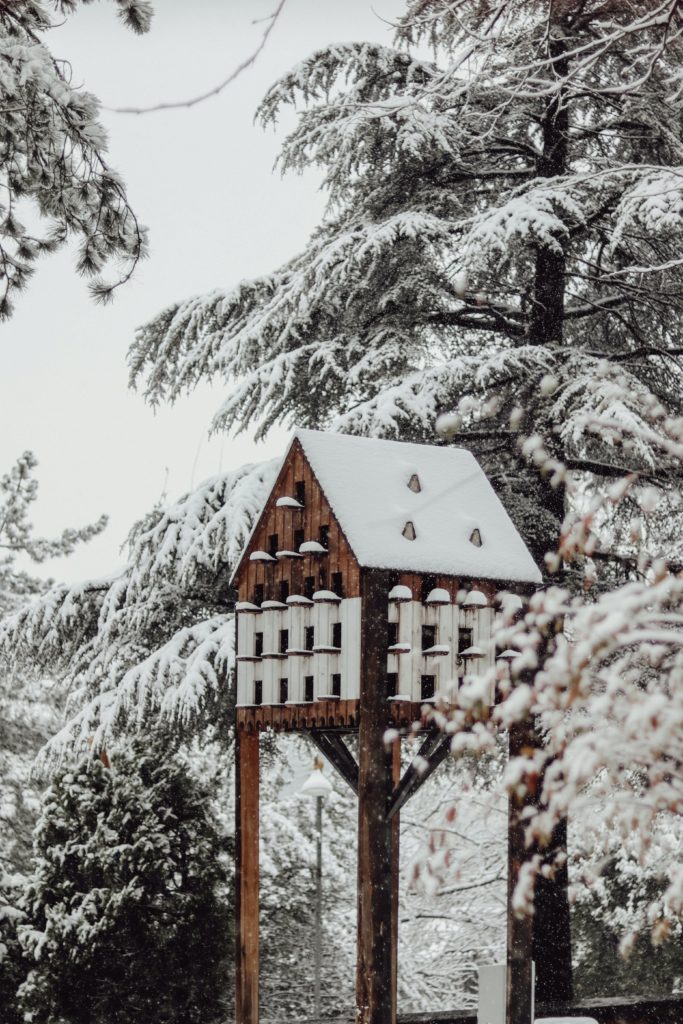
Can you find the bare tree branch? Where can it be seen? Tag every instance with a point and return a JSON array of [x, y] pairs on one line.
[[270, 21]]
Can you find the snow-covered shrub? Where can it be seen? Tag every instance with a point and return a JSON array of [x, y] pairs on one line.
[[613, 893], [13, 967], [126, 907]]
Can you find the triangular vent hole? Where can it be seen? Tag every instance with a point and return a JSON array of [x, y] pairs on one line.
[[409, 531], [475, 538], [414, 483]]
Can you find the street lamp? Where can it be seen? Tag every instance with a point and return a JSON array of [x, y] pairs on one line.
[[317, 786]]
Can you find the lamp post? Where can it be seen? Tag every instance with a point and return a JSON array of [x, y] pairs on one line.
[[317, 786]]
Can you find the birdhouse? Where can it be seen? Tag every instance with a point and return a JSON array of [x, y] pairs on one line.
[[423, 522], [366, 588]]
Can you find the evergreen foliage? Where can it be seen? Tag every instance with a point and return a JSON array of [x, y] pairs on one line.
[[599, 922], [156, 639], [502, 239], [447, 925], [506, 212], [288, 892], [12, 964], [125, 910], [53, 157], [28, 705], [18, 491], [28, 711]]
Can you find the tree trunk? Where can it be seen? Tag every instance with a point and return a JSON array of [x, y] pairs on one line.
[[551, 922], [519, 1000], [551, 932], [547, 313]]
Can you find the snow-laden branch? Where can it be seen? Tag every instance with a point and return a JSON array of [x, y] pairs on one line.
[[54, 155], [155, 640]]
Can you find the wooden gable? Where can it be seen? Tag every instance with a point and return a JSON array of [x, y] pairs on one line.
[[289, 525]]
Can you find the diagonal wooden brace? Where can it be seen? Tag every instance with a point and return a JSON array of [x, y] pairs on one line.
[[434, 749], [338, 754]]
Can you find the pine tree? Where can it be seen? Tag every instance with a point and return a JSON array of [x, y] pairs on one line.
[[501, 238], [458, 193], [613, 908], [28, 705], [54, 157], [126, 907], [28, 708], [155, 641], [12, 966], [504, 223], [18, 491]]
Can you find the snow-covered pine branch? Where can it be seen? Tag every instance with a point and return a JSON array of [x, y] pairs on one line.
[[54, 158], [18, 491], [599, 671], [28, 706], [501, 212], [156, 638]]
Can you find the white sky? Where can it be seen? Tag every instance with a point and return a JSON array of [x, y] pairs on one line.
[[203, 182]]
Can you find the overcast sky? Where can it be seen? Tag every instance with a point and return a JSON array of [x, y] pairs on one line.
[[203, 182]]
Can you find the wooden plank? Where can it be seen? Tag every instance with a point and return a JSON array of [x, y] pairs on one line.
[[314, 504], [247, 877], [283, 522], [415, 655], [395, 874], [374, 1001], [350, 657], [404, 684]]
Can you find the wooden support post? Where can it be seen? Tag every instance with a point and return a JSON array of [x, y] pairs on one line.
[[395, 866], [375, 1003], [247, 878], [519, 996], [551, 943]]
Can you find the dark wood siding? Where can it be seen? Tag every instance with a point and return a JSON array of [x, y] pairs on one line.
[[284, 522]]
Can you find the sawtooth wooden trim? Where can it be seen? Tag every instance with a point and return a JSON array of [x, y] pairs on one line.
[[339, 714]]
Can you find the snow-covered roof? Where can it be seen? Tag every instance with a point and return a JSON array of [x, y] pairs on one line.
[[366, 482]]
